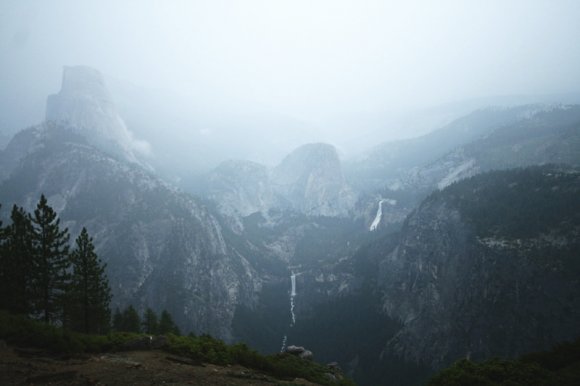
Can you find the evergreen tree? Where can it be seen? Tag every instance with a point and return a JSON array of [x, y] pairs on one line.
[[130, 321], [117, 320], [88, 294], [3, 271], [127, 320], [150, 322], [166, 324], [17, 263], [51, 262]]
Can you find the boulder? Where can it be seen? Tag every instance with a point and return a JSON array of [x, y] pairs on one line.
[[306, 354], [295, 350], [300, 352]]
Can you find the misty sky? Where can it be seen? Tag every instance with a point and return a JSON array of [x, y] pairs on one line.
[[307, 59]]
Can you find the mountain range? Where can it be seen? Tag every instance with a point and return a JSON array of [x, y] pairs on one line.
[[459, 243]]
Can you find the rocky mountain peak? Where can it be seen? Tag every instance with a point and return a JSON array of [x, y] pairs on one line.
[[85, 104], [84, 81], [310, 157], [241, 188], [311, 178]]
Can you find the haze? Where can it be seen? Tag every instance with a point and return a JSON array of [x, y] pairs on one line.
[[289, 71]]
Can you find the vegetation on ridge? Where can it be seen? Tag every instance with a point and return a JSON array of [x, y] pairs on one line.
[[559, 366]]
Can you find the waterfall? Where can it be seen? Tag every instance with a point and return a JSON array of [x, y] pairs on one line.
[[379, 215], [377, 219], [292, 296]]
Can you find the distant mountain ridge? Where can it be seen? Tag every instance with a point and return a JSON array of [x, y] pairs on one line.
[[537, 135], [391, 160]]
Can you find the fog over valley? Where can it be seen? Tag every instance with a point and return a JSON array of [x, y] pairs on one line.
[[225, 74], [291, 192]]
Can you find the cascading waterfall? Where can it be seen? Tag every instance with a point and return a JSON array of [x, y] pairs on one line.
[[378, 217], [292, 296]]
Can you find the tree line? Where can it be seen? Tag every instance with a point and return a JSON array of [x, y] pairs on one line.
[[128, 320], [41, 277]]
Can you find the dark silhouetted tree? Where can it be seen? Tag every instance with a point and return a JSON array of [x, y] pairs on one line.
[[3, 271], [16, 264], [88, 294], [131, 320], [51, 262], [150, 322], [127, 321], [117, 320], [166, 324]]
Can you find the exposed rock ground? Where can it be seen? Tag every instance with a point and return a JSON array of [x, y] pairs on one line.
[[19, 366]]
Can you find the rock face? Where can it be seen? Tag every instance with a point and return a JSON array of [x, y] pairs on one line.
[[241, 188], [85, 104], [308, 181], [311, 179], [163, 249], [487, 268]]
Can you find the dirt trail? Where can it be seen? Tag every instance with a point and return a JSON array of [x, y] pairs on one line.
[[20, 366]]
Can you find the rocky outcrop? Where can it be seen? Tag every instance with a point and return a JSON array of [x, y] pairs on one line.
[[85, 104], [241, 188], [300, 352], [311, 179], [23, 143]]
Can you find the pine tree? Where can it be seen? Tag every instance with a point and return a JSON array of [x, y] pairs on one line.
[[51, 261], [131, 321], [88, 294], [17, 263], [166, 324], [117, 320], [126, 321], [3, 269], [150, 322]]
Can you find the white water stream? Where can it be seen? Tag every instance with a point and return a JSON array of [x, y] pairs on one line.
[[379, 215], [377, 219], [292, 296]]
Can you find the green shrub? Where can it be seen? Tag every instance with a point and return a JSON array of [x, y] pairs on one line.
[[23, 331]]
